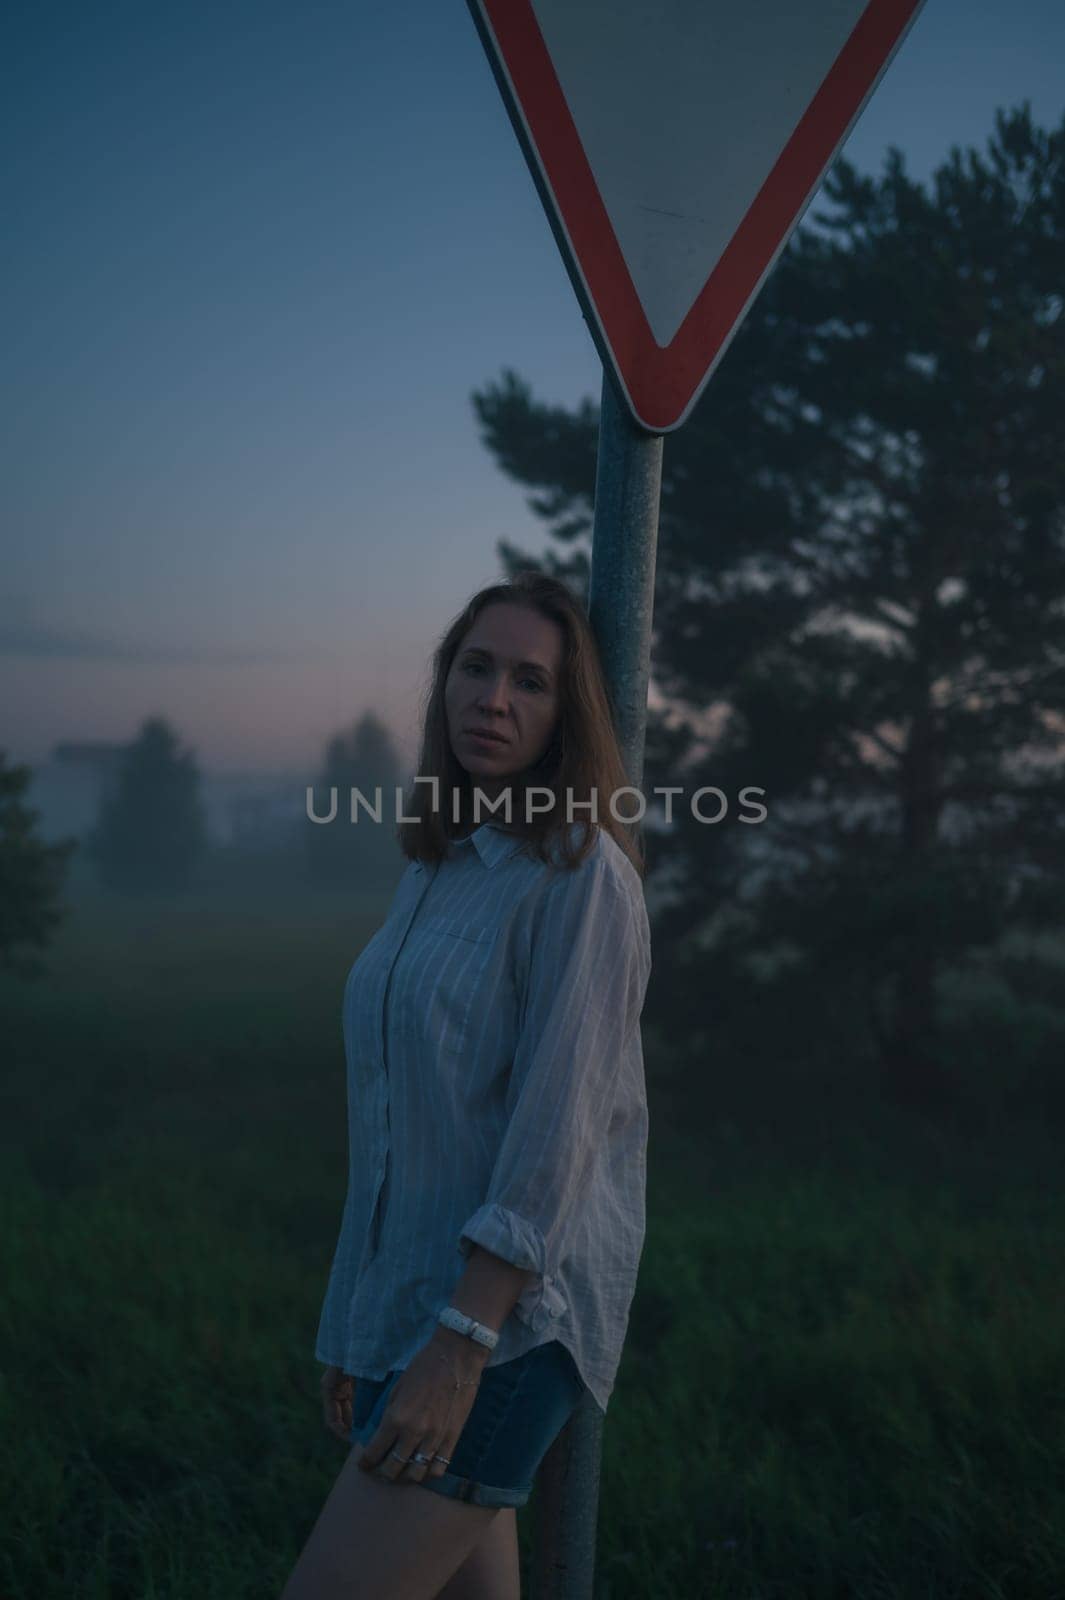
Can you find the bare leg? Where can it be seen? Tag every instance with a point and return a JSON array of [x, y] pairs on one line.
[[491, 1571], [376, 1540]]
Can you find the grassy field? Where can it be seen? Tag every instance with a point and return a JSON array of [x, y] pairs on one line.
[[845, 1372]]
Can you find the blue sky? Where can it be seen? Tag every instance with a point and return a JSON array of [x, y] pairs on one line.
[[260, 255]]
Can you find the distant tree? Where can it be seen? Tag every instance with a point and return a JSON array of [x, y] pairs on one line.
[[341, 853], [152, 829], [31, 876], [862, 575]]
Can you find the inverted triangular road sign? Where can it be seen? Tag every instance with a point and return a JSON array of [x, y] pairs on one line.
[[675, 145]]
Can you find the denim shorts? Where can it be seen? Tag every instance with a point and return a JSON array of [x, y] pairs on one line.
[[520, 1409]]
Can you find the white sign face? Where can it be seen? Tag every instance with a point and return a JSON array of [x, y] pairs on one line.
[[676, 144]]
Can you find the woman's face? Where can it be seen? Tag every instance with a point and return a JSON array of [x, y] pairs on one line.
[[505, 677]]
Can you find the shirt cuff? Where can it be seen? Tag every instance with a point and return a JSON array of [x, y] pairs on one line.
[[519, 1241]]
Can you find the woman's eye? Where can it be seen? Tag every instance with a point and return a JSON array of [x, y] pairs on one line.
[[478, 666]]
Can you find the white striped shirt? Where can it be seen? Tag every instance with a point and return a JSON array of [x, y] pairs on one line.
[[496, 1096]]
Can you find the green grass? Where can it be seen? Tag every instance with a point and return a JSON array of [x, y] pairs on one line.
[[845, 1370]]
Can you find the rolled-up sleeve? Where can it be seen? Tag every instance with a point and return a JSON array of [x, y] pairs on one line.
[[589, 965]]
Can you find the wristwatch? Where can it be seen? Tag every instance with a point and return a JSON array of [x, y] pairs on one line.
[[452, 1317]]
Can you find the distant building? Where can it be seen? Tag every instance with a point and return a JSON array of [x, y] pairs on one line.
[[255, 811], [69, 788]]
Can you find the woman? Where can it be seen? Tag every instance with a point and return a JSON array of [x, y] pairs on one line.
[[497, 1118]]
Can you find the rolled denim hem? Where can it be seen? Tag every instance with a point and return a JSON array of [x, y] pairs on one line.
[[458, 1488], [478, 1494]]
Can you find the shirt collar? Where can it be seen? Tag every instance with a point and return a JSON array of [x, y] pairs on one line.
[[494, 842]]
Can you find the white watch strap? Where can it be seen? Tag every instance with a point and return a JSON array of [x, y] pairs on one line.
[[451, 1317]]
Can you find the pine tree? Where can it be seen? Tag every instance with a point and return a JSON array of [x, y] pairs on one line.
[[152, 829], [31, 876], [343, 854], [860, 604]]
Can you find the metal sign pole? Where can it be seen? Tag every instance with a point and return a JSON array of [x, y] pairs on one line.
[[628, 481]]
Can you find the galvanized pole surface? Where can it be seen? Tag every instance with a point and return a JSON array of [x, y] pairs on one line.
[[628, 482], [620, 604]]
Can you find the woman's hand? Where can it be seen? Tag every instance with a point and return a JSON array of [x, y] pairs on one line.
[[338, 1391], [425, 1412]]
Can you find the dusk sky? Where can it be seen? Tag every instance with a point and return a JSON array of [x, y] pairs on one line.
[[257, 258]]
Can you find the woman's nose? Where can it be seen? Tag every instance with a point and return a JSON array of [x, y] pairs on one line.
[[494, 693]]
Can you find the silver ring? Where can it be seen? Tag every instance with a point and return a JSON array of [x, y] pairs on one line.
[[423, 1461], [392, 1453]]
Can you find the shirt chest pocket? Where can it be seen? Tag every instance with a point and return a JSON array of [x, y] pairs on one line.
[[462, 987], [456, 981]]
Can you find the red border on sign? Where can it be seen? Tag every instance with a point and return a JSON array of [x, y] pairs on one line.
[[661, 380]]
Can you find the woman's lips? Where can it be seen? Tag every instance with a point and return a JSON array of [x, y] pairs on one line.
[[485, 741]]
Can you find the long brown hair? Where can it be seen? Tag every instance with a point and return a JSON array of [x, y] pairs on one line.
[[583, 754]]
